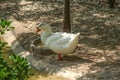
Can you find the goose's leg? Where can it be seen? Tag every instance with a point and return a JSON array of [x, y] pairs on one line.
[[59, 57]]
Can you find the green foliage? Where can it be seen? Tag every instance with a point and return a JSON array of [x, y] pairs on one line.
[[18, 67], [5, 26], [2, 45], [3, 68]]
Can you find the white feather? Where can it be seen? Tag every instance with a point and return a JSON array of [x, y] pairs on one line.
[[59, 42]]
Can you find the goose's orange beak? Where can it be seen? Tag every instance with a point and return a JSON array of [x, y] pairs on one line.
[[37, 30]]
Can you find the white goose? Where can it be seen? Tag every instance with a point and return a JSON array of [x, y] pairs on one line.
[[59, 42]]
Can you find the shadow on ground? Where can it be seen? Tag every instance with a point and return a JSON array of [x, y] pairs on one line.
[[99, 39], [30, 9], [41, 56], [106, 71]]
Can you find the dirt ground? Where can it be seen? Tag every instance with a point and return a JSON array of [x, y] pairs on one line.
[[98, 53]]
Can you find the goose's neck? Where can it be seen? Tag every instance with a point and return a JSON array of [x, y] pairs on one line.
[[48, 33], [45, 35]]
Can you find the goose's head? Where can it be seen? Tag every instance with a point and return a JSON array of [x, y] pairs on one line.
[[44, 26]]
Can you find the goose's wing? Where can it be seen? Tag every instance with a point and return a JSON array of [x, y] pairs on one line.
[[59, 39], [63, 43], [64, 39]]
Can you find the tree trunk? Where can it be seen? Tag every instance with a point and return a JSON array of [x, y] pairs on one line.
[[111, 3], [66, 22]]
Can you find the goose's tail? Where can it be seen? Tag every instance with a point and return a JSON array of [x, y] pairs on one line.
[[78, 34]]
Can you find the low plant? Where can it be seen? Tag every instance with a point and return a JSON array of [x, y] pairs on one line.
[[5, 25], [18, 68]]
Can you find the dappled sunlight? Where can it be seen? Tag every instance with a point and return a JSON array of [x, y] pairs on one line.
[[23, 2], [94, 36], [34, 6], [101, 15], [103, 71], [41, 76], [97, 56]]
